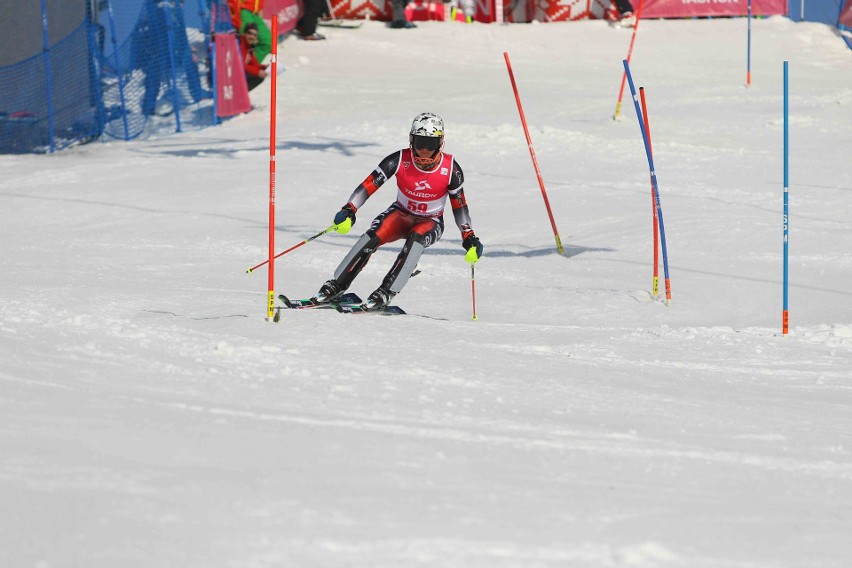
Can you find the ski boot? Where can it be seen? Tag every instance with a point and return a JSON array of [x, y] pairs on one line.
[[328, 292], [379, 299]]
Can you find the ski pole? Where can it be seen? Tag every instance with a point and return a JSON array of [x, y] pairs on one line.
[[473, 288], [294, 247]]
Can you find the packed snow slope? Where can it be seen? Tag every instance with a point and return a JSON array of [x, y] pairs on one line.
[[151, 417]]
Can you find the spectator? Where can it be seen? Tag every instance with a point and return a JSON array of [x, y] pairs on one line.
[[244, 12], [467, 7], [255, 70], [399, 20], [625, 13], [307, 24]]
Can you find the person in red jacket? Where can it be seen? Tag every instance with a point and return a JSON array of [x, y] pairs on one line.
[[255, 70], [426, 177]]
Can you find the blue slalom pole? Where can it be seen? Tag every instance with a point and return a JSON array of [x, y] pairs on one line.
[[653, 182], [785, 318], [748, 49]]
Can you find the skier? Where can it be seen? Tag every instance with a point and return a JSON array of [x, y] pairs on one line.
[[425, 177]]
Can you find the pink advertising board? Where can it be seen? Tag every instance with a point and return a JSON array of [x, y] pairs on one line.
[[231, 89]]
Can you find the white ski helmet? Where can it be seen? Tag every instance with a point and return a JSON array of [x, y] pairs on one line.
[[427, 133]]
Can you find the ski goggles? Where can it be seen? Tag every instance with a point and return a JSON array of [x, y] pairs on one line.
[[431, 143]]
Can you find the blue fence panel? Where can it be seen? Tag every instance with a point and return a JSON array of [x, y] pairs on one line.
[[119, 63], [153, 68], [50, 101]]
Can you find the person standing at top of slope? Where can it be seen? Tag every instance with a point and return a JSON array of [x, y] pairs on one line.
[[425, 177]]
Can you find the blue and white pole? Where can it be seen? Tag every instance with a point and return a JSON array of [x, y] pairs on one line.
[[748, 48], [654, 184]]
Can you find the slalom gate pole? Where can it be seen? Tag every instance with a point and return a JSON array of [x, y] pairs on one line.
[[785, 315], [473, 288], [629, 53], [748, 48], [654, 184], [294, 247], [270, 304], [532, 153], [655, 283]]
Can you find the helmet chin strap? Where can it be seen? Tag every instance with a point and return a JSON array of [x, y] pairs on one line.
[[429, 162]]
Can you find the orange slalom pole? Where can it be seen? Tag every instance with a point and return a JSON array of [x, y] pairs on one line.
[[270, 304], [655, 284], [532, 154], [629, 53]]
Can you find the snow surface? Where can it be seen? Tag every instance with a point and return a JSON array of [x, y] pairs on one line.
[[150, 416]]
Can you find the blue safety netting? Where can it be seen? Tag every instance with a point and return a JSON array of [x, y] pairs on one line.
[[152, 64], [72, 71], [48, 98]]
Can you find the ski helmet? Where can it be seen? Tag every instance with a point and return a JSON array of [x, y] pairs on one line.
[[427, 132]]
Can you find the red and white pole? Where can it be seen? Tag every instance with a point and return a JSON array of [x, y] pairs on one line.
[[273, 74], [655, 284], [629, 54]]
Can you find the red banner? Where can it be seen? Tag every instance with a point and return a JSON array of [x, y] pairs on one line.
[[231, 89], [419, 11], [361, 9], [846, 15], [569, 10], [287, 11], [565, 10], [698, 8]]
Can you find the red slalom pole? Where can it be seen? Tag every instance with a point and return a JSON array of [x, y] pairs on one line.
[[270, 304], [655, 285], [629, 53], [532, 154]]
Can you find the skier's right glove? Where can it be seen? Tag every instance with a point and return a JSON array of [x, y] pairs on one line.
[[473, 247], [344, 219]]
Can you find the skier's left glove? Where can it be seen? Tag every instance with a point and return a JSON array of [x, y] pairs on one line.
[[473, 247], [344, 219]]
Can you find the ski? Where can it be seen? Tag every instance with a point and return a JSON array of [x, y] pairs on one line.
[[307, 303], [341, 24], [349, 303], [359, 308]]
